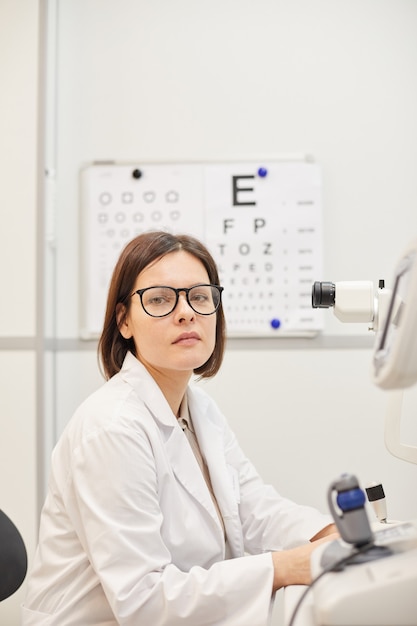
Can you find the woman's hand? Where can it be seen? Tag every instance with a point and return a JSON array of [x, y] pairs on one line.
[[292, 567], [331, 529]]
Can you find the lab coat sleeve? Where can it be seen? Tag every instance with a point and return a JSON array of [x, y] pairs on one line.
[[112, 499], [269, 521]]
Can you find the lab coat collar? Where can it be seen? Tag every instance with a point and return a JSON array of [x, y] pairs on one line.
[[146, 388]]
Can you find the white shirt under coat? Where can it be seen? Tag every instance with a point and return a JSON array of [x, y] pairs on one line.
[[129, 534]]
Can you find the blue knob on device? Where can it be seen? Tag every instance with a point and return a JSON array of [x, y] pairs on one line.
[[350, 500], [350, 517]]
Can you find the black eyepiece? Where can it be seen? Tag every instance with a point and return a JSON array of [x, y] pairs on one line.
[[323, 295]]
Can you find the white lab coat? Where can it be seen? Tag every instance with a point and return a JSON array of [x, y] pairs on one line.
[[129, 533]]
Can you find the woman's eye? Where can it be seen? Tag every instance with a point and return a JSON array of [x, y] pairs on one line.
[[159, 300], [199, 297]]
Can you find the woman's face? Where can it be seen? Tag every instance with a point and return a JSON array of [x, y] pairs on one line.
[[181, 341]]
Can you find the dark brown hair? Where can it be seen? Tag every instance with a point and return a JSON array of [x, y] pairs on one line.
[[137, 255]]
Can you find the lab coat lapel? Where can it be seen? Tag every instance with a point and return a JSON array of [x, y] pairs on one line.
[[210, 438], [180, 455], [188, 473]]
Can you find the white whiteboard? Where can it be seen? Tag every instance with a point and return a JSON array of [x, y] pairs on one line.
[[262, 222]]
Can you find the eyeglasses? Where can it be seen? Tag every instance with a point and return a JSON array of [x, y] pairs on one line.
[[160, 301]]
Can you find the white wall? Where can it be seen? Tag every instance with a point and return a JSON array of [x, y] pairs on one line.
[[225, 78], [18, 130], [177, 79]]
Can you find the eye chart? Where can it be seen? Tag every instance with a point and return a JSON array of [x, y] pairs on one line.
[[260, 220]]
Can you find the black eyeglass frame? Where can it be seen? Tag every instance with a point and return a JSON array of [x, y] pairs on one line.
[[178, 290]]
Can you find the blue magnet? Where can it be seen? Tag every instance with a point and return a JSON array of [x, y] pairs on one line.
[[275, 323], [262, 172]]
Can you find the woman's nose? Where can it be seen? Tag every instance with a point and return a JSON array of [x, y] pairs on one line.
[[183, 308]]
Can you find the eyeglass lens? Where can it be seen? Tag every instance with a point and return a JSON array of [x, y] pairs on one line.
[[160, 301]]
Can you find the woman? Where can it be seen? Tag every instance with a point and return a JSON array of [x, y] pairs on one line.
[[142, 524]]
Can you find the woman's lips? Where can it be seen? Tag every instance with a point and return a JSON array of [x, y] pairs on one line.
[[187, 339]]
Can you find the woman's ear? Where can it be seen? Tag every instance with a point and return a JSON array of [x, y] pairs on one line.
[[122, 321]]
